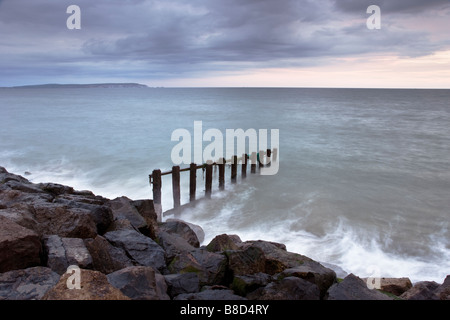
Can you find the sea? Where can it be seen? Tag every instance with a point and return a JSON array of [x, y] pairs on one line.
[[363, 181]]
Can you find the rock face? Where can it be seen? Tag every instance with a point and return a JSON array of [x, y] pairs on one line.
[[289, 288], [19, 247]]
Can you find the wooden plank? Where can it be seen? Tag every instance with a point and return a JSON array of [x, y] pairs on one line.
[[253, 159], [208, 180], [234, 169], [192, 181], [157, 184], [176, 186], [221, 165], [244, 165]]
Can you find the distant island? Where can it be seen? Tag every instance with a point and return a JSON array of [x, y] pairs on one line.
[[93, 85]]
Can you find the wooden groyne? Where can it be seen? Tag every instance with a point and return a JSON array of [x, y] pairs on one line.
[[256, 160]]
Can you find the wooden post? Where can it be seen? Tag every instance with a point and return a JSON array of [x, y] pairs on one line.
[[244, 165], [176, 186], [157, 184], [262, 155], [222, 174], [253, 159], [192, 181], [208, 180], [269, 154], [275, 155], [234, 169]]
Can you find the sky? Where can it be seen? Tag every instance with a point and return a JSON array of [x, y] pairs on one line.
[[227, 43]]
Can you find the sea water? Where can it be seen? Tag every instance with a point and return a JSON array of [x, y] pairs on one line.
[[363, 181]]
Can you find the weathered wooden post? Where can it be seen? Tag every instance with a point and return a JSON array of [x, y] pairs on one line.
[[208, 180], [244, 165], [157, 184], [234, 169], [222, 174], [268, 154], [262, 155], [192, 181], [275, 155], [253, 159], [176, 186]]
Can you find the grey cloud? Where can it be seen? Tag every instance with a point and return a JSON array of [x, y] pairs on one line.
[[391, 6]]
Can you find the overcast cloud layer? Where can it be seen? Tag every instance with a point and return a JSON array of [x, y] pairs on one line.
[[150, 40]]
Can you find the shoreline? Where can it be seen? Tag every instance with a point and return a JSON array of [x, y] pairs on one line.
[[47, 227]]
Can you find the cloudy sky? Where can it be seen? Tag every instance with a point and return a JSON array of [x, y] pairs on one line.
[[233, 43]]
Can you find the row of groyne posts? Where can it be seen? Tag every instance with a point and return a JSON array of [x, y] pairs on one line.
[[257, 160]]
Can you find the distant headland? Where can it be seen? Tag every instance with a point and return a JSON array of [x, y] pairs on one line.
[[77, 86]]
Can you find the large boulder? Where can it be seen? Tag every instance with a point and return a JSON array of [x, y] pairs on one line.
[[423, 290], [395, 286], [65, 252], [93, 286], [210, 267], [277, 258], [245, 262], [140, 283], [27, 284], [173, 244], [123, 208], [143, 250], [20, 247], [182, 229], [105, 257], [443, 291], [147, 211], [289, 288], [23, 215], [245, 284], [354, 288], [180, 283], [224, 242], [313, 272]]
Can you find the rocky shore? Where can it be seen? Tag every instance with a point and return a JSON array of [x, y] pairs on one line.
[[51, 233]]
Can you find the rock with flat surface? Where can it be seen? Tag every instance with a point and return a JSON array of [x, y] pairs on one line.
[[354, 288], [20, 247], [27, 284]]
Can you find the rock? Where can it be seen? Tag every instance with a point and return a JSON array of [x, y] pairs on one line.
[[210, 295], [199, 232], [20, 248], [313, 272], [65, 222], [65, 252], [210, 267], [396, 286], [143, 250], [276, 257], [23, 215], [54, 188], [140, 283], [182, 283], [147, 211], [244, 284], [423, 290], [27, 284], [94, 286], [443, 291], [354, 288], [173, 244], [182, 229], [224, 242], [246, 262], [289, 288], [105, 257], [340, 273], [122, 208]]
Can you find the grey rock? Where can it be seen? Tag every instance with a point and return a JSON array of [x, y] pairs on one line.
[[140, 283], [289, 288], [423, 290], [245, 284], [354, 288], [182, 229], [182, 283], [27, 284], [210, 295], [143, 250]]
